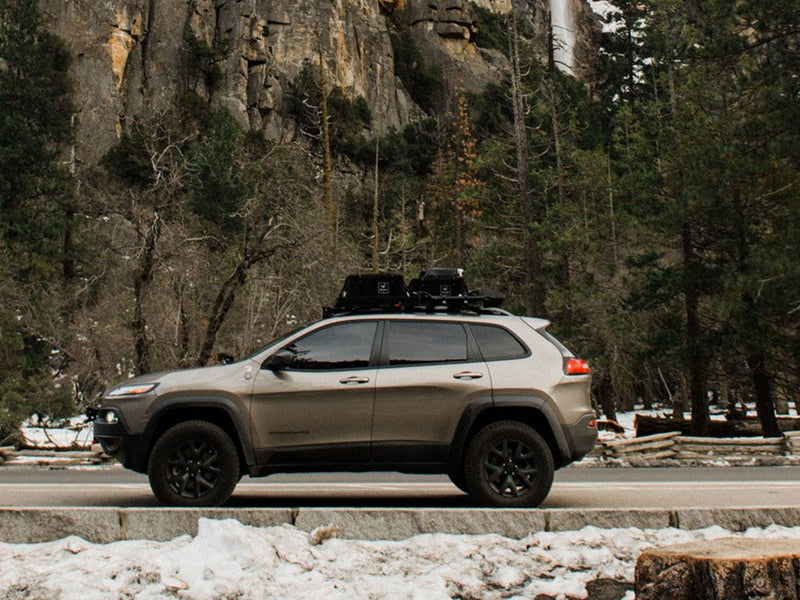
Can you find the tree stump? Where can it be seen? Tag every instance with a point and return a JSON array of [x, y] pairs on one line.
[[723, 569]]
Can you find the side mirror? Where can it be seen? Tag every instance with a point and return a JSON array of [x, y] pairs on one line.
[[225, 359], [279, 361]]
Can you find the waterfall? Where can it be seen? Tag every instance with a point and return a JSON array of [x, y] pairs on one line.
[[564, 29]]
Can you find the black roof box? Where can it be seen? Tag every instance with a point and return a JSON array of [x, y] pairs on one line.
[[373, 290], [434, 289]]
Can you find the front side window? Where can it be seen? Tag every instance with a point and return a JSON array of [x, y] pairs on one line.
[[413, 343], [341, 346]]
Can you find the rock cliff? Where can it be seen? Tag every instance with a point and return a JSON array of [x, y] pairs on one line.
[[132, 57]]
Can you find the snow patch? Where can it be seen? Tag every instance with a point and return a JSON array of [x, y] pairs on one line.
[[229, 560]]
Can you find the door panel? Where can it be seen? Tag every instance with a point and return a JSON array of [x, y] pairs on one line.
[[297, 408], [318, 405], [423, 404], [428, 377]]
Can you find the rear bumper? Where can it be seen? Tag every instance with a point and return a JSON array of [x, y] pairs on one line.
[[581, 436]]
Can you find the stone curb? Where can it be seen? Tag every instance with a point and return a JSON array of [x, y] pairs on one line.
[[104, 525]]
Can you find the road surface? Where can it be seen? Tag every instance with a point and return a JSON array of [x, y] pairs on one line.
[[704, 487]]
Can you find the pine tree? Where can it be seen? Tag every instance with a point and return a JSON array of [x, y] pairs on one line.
[[34, 126], [454, 183]]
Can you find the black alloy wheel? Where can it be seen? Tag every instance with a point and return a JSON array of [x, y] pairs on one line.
[[193, 468], [508, 464], [194, 464], [509, 468]]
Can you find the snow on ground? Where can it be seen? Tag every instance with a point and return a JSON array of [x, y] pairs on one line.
[[77, 434], [229, 560]]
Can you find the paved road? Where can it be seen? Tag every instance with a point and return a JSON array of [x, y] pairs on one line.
[[573, 488]]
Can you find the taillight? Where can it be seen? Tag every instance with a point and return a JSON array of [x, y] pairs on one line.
[[577, 366]]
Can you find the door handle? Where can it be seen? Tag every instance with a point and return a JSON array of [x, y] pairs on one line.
[[468, 375], [354, 380]]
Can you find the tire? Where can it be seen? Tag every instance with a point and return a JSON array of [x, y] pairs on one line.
[[194, 463], [457, 477], [508, 464]]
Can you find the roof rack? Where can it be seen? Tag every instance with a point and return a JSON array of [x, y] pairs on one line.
[[434, 290]]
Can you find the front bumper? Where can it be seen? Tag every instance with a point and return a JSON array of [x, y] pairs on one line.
[[117, 440]]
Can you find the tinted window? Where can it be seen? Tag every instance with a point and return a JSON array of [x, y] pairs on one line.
[[425, 342], [497, 344], [343, 346]]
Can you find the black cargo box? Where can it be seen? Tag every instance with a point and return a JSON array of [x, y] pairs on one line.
[[439, 283], [374, 290]]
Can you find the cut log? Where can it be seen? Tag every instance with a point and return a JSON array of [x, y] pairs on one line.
[[730, 448], [748, 441], [652, 455], [642, 440], [647, 447], [722, 569], [646, 425]]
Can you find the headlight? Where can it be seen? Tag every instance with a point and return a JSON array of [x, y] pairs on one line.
[[111, 417], [132, 390]]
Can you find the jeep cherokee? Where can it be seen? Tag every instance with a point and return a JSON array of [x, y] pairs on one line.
[[491, 399]]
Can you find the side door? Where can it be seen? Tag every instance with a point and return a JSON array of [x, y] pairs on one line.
[[430, 371], [313, 398]]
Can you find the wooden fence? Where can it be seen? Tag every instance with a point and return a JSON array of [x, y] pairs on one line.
[[675, 445]]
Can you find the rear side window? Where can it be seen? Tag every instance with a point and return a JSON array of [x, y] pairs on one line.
[[497, 344], [414, 343]]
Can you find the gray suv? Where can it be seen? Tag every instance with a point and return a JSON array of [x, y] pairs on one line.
[[491, 399]]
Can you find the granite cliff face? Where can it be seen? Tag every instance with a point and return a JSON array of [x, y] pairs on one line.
[[130, 57]]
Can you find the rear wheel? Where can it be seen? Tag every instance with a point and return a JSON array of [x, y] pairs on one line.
[[508, 464], [194, 463]]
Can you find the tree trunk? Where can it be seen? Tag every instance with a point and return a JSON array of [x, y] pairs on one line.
[[763, 391], [695, 360], [68, 249], [330, 209], [695, 364], [230, 288], [535, 293], [223, 303], [722, 569], [605, 390], [751, 331], [376, 213], [141, 284]]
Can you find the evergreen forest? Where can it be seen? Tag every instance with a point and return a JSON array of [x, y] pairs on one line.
[[652, 213]]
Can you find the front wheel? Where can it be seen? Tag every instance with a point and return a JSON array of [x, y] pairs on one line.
[[508, 464], [193, 463]]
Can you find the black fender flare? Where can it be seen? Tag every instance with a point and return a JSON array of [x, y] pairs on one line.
[[191, 404], [482, 408]]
